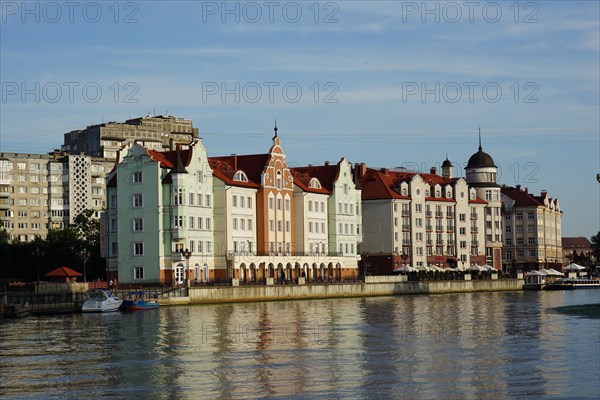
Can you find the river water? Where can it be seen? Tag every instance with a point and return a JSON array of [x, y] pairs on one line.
[[475, 345]]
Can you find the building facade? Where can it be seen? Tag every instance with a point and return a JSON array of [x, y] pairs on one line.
[[419, 219], [578, 250], [176, 216], [532, 238], [39, 192], [159, 219]]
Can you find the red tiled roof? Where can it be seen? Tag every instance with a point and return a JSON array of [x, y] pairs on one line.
[[576, 242], [302, 180], [63, 272], [521, 197], [252, 165], [326, 174], [380, 184], [168, 159], [478, 201]]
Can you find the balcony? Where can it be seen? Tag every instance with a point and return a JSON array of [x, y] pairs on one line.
[[429, 243], [450, 215], [475, 243], [439, 229], [473, 215], [450, 229], [439, 215], [405, 213], [440, 242], [428, 214], [406, 227], [429, 228], [474, 229]]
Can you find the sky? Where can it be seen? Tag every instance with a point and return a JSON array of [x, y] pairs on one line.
[[388, 83]]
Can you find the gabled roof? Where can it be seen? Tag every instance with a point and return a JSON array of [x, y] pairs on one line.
[[302, 180], [380, 184], [477, 200], [326, 174], [522, 198], [169, 159], [252, 165], [576, 242]]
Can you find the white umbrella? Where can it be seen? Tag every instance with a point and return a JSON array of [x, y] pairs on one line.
[[489, 267], [573, 267], [553, 272], [542, 272], [404, 268], [477, 268], [422, 268]]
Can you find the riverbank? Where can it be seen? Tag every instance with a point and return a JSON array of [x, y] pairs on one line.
[[242, 294]]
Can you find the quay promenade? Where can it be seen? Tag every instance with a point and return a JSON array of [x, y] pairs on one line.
[[373, 286]]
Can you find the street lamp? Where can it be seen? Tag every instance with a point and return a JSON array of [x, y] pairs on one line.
[[37, 253], [186, 254], [85, 256]]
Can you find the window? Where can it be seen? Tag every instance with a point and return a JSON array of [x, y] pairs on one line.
[[207, 223], [178, 197], [249, 224], [279, 204], [114, 248], [208, 201], [234, 200], [530, 216], [138, 200], [242, 224], [138, 224], [509, 241], [199, 222], [508, 229], [138, 272], [463, 231], [279, 226], [532, 253], [271, 225], [191, 224], [240, 176], [137, 177], [271, 203], [310, 208], [249, 202], [287, 226], [519, 217], [242, 201], [235, 223], [278, 180], [462, 217], [113, 201], [287, 204], [531, 241], [191, 202], [310, 227], [138, 249], [113, 224]]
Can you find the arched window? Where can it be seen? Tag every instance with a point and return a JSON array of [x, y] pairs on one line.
[[240, 176], [314, 184], [278, 180]]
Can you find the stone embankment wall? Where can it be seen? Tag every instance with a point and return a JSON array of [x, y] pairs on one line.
[[302, 292]]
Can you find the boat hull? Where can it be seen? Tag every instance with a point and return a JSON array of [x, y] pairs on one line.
[[139, 305]]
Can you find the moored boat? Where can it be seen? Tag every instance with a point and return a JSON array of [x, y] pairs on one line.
[[101, 300], [573, 283], [140, 301]]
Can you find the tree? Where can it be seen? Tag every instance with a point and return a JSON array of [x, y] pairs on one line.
[[596, 246]]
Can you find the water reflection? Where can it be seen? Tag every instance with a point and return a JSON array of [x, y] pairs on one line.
[[479, 345]]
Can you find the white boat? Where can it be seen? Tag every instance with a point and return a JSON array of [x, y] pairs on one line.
[[101, 300]]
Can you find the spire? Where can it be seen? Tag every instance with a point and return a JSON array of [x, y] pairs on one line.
[[275, 129], [480, 148], [179, 167]]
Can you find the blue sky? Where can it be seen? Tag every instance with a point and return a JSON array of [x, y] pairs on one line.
[[390, 83]]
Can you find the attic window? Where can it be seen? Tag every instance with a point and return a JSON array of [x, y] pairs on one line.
[[240, 176], [404, 192], [314, 184], [449, 193]]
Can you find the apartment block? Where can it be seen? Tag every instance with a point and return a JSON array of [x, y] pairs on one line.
[[532, 238]]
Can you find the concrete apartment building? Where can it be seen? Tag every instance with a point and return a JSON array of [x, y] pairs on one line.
[[39, 192], [532, 238], [107, 139], [43, 191]]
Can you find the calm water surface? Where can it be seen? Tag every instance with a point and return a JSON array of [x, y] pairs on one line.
[[479, 345]]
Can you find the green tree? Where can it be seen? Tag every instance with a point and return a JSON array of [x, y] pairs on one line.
[[596, 246]]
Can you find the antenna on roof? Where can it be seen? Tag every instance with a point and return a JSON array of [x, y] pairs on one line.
[[480, 148], [275, 129]]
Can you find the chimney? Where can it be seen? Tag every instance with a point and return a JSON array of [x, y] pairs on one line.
[[327, 163], [526, 190], [384, 170], [234, 162], [544, 193], [433, 170], [362, 169], [171, 144], [518, 187]]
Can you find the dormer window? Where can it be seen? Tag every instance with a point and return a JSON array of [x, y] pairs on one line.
[[240, 176], [314, 184]]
